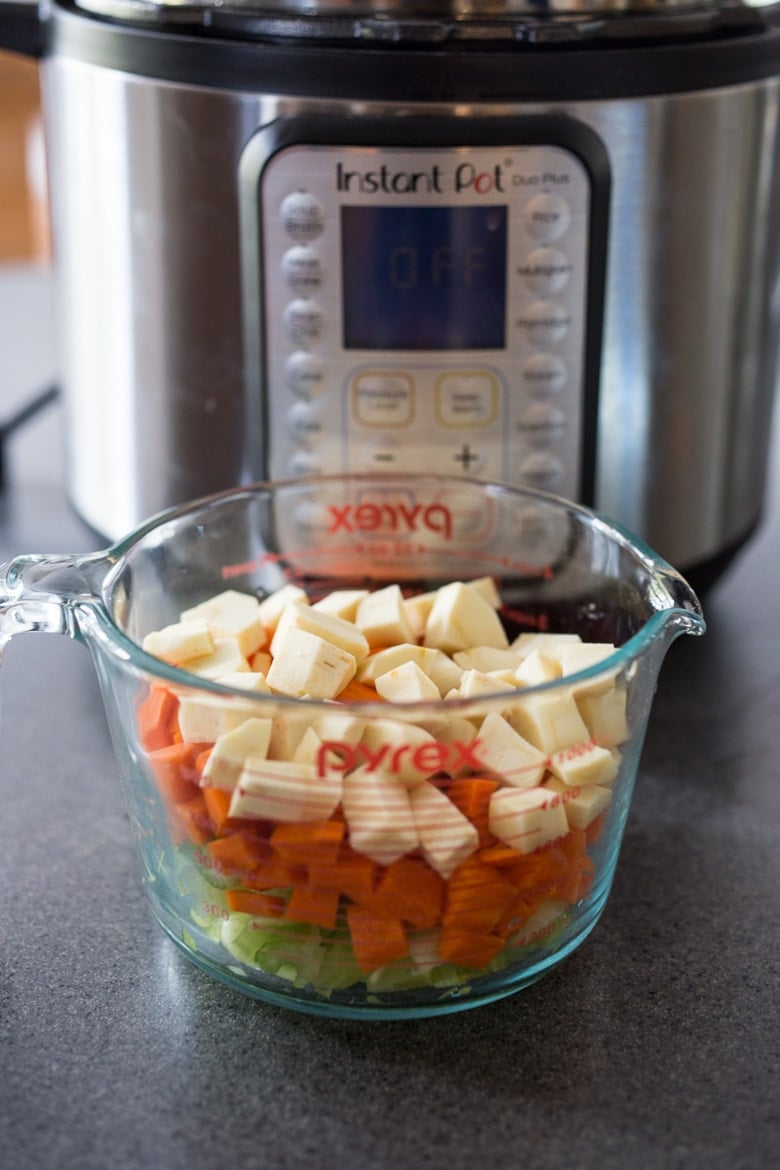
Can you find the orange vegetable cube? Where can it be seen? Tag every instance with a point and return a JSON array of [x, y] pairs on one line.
[[308, 843], [467, 948], [377, 939], [174, 770], [412, 891], [250, 902], [472, 796], [351, 873], [157, 719], [236, 853], [318, 907]]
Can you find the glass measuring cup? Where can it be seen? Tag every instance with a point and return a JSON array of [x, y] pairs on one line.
[[370, 851]]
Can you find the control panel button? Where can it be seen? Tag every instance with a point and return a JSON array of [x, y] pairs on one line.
[[305, 374], [302, 269], [383, 399], [306, 463], [467, 398], [544, 373], [541, 470], [305, 422], [303, 216], [545, 323], [545, 271], [542, 423], [304, 322], [547, 216]]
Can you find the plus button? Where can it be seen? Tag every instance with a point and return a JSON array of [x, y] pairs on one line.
[[466, 457]]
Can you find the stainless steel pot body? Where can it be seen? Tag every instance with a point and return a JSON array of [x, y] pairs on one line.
[[144, 175]]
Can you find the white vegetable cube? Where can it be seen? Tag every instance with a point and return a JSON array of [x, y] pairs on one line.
[[225, 658], [446, 836], [378, 815], [474, 683], [487, 658], [544, 643], [260, 661], [403, 750], [180, 642], [537, 668], [574, 658], [527, 818], [287, 730], [341, 603], [582, 805], [284, 790], [406, 684], [487, 589], [232, 749], [305, 664], [507, 754], [204, 718], [416, 609], [605, 716], [444, 672], [273, 606], [584, 764], [393, 656], [549, 720], [331, 629], [340, 728], [382, 617], [232, 615], [424, 948], [461, 618]]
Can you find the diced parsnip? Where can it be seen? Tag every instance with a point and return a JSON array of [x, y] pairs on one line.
[[343, 728], [474, 683], [331, 629], [605, 716], [507, 754], [341, 603], [584, 764], [382, 617], [526, 818], [444, 672], [549, 720], [407, 751], [287, 731], [204, 718], [284, 790], [406, 684], [416, 609], [575, 657], [225, 658], [384, 660], [232, 749], [179, 642], [446, 836], [424, 948], [460, 618], [232, 615], [582, 805], [487, 658], [305, 664], [526, 643], [537, 668], [487, 589], [378, 815], [273, 606]]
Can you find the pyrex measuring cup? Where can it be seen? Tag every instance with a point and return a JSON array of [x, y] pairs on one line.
[[396, 784]]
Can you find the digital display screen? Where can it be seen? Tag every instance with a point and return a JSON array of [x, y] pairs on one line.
[[419, 278]]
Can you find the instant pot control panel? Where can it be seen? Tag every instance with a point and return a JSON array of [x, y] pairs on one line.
[[430, 307]]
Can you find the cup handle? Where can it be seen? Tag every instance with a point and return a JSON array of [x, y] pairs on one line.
[[41, 593]]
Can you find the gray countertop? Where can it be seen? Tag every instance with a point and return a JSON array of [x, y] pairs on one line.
[[656, 1046]]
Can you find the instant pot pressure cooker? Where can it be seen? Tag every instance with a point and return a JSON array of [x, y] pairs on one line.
[[534, 240]]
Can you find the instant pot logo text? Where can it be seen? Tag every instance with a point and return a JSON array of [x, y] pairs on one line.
[[385, 518], [432, 180]]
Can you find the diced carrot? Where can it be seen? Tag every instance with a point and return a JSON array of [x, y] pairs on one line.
[[471, 794], [596, 827], [310, 843], [579, 866], [250, 902], [155, 714], [467, 948], [237, 853], [193, 816], [477, 896], [218, 805], [377, 939], [174, 771], [410, 890], [359, 692], [318, 907], [543, 867], [276, 875], [351, 873], [500, 855]]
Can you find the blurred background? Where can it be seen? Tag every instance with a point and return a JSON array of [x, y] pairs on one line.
[[23, 225]]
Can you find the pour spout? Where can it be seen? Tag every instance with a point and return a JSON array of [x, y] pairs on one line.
[[39, 593]]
